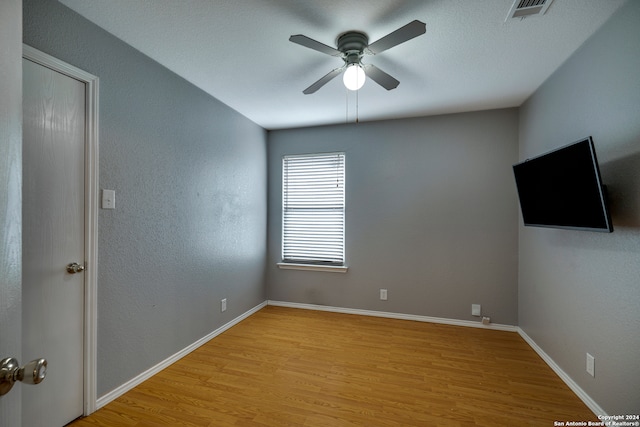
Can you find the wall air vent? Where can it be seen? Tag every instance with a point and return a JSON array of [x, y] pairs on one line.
[[523, 8]]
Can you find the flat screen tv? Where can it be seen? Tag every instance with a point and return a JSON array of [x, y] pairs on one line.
[[563, 189]]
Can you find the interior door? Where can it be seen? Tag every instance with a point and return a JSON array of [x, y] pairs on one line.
[[53, 237], [10, 200]]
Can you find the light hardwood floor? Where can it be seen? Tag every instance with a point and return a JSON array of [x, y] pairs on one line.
[[292, 367]]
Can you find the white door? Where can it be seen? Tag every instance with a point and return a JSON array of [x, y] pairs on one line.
[[53, 237]]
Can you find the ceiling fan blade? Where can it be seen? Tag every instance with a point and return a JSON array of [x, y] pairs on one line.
[[401, 35], [380, 77], [323, 81], [315, 45]]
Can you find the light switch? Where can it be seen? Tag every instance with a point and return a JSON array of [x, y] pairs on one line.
[[108, 199]]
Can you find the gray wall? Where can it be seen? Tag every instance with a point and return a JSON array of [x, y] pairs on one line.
[[580, 291], [431, 216], [10, 197], [189, 173]]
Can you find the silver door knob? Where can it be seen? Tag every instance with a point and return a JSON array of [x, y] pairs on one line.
[[74, 268], [31, 373]]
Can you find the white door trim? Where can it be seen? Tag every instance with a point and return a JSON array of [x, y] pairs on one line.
[[91, 216]]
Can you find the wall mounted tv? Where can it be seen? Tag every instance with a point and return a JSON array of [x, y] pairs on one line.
[[563, 189]]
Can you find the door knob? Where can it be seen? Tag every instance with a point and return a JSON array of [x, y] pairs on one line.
[[31, 373], [74, 268]]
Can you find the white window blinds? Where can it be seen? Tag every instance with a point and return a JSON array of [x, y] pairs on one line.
[[313, 209]]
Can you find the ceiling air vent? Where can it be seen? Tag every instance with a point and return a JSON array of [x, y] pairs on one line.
[[523, 8]]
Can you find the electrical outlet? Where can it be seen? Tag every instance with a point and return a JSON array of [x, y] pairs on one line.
[[475, 309], [591, 365], [223, 304], [108, 199], [383, 294]]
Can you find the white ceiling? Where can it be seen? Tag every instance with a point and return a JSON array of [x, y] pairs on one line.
[[238, 51]]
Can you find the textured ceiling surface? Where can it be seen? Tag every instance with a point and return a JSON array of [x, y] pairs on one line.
[[238, 51]]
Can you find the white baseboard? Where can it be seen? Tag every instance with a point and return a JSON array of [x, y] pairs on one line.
[[414, 317], [119, 391], [582, 395]]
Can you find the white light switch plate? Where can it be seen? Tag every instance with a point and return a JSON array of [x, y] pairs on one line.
[[108, 199]]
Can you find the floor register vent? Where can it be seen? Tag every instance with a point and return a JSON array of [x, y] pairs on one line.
[[523, 8]]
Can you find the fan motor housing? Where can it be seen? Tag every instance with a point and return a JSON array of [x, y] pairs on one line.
[[352, 41]]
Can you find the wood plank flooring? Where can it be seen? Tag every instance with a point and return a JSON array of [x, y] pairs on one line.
[[292, 367]]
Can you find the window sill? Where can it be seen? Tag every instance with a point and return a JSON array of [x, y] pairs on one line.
[[312, 267]]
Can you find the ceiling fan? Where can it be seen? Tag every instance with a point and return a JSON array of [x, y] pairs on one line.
[[352, 46]]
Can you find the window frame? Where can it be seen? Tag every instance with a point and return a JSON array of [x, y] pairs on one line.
[[311, 264]]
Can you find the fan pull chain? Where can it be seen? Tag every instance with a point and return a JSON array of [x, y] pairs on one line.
[[357, 105], [346, 112]]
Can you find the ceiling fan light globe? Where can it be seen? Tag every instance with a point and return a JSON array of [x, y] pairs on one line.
[[354, 77]]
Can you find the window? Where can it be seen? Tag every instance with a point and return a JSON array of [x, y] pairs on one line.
[[313, 209]]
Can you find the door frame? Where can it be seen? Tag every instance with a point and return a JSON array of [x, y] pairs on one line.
[[91, 193]]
